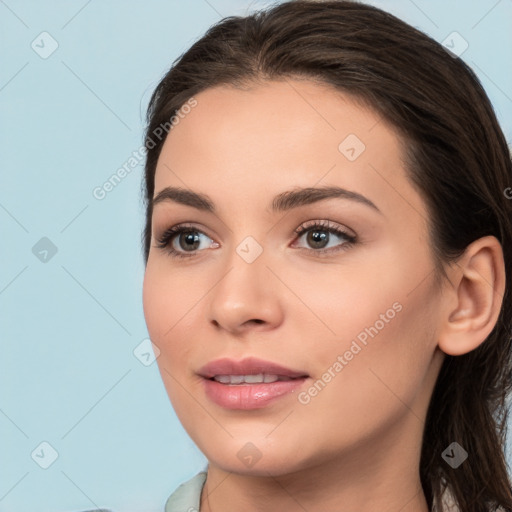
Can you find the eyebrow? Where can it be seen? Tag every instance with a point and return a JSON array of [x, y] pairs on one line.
[[282, 202]]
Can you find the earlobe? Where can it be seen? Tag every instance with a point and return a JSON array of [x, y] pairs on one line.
[[475, 297]]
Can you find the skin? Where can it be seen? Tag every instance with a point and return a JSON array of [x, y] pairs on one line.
[[356, 444]]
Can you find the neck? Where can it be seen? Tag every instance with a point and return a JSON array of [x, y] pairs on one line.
[[382, 475]]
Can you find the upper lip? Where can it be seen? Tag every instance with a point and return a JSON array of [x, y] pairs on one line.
[[247, 366]]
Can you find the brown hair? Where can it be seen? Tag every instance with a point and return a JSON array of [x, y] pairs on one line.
[[456, 156]]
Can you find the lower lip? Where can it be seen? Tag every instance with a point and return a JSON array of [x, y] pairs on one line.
[[249, 396]]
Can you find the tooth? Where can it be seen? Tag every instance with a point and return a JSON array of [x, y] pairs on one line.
[[253, 379], [249, 379]]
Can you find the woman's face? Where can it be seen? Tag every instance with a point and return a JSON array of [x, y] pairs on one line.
[[354, 314]]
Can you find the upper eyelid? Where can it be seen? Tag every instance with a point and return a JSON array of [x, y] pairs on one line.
[[325, 224], [317, 206], [179, 226]]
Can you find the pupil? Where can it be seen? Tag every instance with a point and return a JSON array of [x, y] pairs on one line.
[[192, 238], [317, 237]]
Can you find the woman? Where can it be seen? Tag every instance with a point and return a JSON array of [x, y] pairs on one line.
[[328, 249]]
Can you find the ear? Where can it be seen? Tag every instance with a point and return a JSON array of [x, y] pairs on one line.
[[474, 299]]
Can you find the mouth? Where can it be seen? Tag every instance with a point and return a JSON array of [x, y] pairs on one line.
[[259, 378], [250, 370], [250, 383]]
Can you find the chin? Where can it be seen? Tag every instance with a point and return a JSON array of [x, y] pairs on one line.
[[256, 456], [271, 466]]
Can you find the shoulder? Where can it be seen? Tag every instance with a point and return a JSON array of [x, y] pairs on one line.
[[187, 496]]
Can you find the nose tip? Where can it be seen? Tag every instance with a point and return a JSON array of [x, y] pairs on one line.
[[242, 299]]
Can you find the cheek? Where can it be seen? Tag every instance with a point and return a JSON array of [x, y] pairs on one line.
[[384, 364], [171, 301], [344, 301], [385, 326], [167, 302], [168, 312], [156, 305]]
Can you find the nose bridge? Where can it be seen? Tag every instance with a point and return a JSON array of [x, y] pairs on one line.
[[245, 269], [249, 250], [243, 293]]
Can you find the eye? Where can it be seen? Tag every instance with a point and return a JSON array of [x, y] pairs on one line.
[[184, 241], [319, 234], [187, 238]]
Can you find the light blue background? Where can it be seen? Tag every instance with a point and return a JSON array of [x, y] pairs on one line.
[[68, 374]]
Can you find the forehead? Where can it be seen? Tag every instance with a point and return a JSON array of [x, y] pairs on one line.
[[264, 139], [242, 122]]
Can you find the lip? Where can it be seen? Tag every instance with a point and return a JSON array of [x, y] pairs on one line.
[[247, 366], [248, 396]]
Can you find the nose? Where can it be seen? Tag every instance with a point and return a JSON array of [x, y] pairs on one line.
[[246, 297]]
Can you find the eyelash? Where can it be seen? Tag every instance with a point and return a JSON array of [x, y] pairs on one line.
[[164, 241]]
